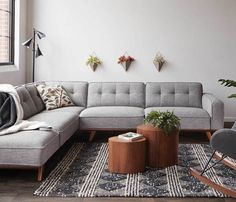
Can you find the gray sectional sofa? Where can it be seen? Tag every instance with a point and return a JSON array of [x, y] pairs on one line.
[[104, 106]]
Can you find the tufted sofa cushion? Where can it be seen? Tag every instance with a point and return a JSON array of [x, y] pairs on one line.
[[76, 90], [116, 94], [174, 94], [30, 100]]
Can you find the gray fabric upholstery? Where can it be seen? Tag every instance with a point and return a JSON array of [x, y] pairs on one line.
[[224, 141], [63, 121], [71, 109], [111, 105], [40, 106], [173, 94], [215, 109], [116, 94], [111, 117], [112, 111], [191, 118], [76, 90], [31, 148], [30, 100]]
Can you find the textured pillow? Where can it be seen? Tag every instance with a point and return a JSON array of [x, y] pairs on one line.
[[54, 96]]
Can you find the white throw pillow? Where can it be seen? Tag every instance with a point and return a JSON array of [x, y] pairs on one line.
[[54, 96]]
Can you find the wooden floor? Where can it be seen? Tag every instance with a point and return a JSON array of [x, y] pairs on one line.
[[18, 185]]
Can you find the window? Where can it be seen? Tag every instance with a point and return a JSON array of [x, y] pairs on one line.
[[6, 32]]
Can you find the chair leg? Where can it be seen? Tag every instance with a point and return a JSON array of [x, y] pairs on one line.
[[202, 178], [40, 173], [205, 168], [212, 184], [92, 135], [208, 134]]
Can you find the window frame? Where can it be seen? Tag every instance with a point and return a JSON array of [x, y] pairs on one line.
[[12, 34]]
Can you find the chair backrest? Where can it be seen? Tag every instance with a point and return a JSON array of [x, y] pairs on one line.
[[174, 94], [116, 94]]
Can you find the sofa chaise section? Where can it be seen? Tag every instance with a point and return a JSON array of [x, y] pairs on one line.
[[34, 148], [28, 149], [113, 105]]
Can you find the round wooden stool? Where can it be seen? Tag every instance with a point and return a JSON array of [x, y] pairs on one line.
[[125, 156], [162, 149]]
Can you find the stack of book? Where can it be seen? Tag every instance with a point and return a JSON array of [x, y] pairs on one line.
[[130, 136]]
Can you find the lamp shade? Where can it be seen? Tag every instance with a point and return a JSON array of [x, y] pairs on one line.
[[40, 34], [28, 43], [38, 52]]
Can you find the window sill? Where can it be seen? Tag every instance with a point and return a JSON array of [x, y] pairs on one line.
[[8, 68]]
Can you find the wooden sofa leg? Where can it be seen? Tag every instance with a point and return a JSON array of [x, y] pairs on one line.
[[91, 135], [208, 134], [40, 173]]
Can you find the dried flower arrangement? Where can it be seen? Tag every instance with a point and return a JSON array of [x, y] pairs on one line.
[[125, 61], [159, 61]]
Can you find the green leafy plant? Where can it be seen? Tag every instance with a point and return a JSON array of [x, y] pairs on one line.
[[228, 83], [93, 60], [166, 121]]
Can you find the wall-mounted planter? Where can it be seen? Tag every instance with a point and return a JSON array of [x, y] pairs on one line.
[[125, 61], [158, 65], [93, 67], [159, 61], [126, 65], [93, 61]]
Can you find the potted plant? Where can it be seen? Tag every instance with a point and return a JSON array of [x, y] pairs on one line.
[[125, 61], [93, 62], [159, 61], [161, 129], [228, 83], [167, 121]]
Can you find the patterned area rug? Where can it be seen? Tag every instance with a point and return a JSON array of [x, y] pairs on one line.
[[84, 173]]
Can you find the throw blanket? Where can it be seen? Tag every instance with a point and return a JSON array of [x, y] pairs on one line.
[[7, 111], [11, 123]]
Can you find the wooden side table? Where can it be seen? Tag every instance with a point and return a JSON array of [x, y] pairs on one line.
[[162, 149], [125, 156]]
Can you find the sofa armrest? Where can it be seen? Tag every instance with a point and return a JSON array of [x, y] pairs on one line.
[[215, 109]]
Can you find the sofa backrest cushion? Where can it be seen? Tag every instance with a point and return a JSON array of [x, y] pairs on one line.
[[170, 94], [76, 90], [30, 100], [116, 94]]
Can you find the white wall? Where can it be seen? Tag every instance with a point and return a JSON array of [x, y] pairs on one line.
[[197, 37], [16, 74]]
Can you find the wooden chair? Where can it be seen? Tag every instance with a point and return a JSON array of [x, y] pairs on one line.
[[223, 143]]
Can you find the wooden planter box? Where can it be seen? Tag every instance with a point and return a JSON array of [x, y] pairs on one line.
[[162, 149]]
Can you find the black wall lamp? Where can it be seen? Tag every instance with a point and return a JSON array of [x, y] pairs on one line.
[[35, 47]]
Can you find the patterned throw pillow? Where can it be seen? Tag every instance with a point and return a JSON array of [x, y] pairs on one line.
[[54, 96]]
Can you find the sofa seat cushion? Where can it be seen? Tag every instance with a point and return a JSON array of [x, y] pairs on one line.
[[64, 120], [111, 117], [191, 117], [28, 147], [73, 109]]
